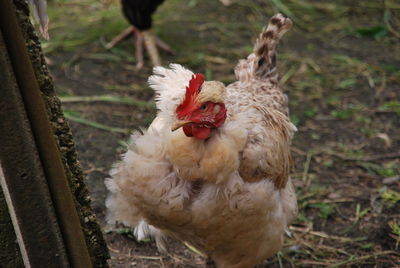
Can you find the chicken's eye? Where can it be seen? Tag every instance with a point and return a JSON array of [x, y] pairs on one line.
[[203, 107]]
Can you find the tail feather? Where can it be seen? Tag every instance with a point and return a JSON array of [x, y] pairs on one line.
[[262, 62], [265, 47]]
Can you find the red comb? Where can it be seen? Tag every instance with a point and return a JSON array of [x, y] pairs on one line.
[[194, 84], [191, 93]]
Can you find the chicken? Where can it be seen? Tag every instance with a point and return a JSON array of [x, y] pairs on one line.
[[139, 14], [212, 170]]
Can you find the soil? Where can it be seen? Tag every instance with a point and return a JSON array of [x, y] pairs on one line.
[[340, 84]]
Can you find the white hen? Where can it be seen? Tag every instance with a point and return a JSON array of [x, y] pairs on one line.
[[220, 181]]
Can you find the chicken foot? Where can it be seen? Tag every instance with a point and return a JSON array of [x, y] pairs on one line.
[[123, 35], [146, 39]]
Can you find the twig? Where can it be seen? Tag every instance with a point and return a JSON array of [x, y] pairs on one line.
[[180, 259], [362, 258], [342, 200], [113, 249], [288, 75], [298, 151], [195, 250], [386, 17], [214, 59], [147, 257], [332, 249], [278, 255], [325, 235], [307, 167], [313, 263], [368, 158], [390, 180]]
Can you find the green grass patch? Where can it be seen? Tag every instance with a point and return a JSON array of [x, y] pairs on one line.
[[75, 117]]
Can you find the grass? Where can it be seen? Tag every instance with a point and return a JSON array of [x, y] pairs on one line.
[[340, 68], [73, 116], [85, 29], [108, 98]]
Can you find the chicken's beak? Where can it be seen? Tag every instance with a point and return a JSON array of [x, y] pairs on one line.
[[180, 123]]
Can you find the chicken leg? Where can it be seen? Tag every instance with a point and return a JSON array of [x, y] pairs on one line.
[[142, 38]]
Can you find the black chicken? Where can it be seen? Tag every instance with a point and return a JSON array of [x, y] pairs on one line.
[[139, 14]]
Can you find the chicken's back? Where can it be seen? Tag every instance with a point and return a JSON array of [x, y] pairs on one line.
[[259, 99]]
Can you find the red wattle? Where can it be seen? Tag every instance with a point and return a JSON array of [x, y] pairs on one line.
[[201, 133], [188, 131]]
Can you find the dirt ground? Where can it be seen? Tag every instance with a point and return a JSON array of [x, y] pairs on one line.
[[340, 66]]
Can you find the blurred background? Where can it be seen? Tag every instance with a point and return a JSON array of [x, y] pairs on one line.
[[340, 66]]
